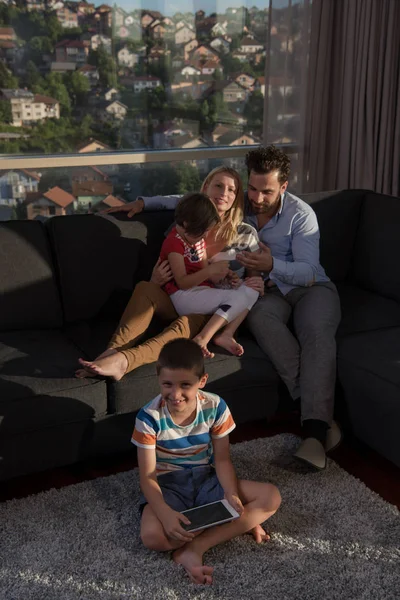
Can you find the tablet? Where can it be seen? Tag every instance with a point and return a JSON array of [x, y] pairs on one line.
[[209, 515]]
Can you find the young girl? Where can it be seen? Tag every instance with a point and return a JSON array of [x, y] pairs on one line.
[[224, 187], [192, 289]]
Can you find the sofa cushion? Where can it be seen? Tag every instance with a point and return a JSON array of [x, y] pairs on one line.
[[96, 258], [375, 262], [369, 374], [365, 311], [338, 214], [28, 291], [232, 377], [37, 384]]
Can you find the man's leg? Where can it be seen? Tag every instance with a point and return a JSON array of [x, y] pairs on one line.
[[268, 323], [316, 316], [260, 500]]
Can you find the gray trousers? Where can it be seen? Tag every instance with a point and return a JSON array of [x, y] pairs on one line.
[[306, 361]]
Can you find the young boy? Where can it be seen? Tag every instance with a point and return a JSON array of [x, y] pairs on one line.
[[192, 289], [183, 455]]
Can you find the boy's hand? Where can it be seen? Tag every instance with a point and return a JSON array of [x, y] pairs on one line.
[[171, 523], [161, 273], [218, 269], [235, 502], [234, 279]]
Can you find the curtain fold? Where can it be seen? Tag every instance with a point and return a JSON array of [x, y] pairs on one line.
[[352, 109]]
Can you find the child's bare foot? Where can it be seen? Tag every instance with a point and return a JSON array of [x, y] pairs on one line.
[[259, 534], [229, 343], [82, 373], [203, 345], [193, 564], [114, 366]]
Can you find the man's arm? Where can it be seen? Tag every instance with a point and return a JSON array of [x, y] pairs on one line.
[[305, 251], [303, 268], [226, 472]]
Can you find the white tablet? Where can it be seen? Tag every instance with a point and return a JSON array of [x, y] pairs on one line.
[[209, 515]]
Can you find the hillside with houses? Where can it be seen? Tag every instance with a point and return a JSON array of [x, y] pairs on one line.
[[73, 74]]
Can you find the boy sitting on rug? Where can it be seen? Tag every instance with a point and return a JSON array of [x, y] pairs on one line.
[[183, 455]]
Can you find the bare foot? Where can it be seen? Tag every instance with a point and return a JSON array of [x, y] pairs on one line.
[[83, 373], [229, 343], [259, 534], [193, 564], [203, 345], [113, 365]]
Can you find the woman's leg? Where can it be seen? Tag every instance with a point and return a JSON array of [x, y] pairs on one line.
[[147, 300], [124, 361]]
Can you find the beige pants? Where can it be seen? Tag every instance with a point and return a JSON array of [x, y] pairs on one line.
[[147, 300]]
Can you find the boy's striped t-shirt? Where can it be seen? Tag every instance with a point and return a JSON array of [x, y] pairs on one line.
[[177, 446]]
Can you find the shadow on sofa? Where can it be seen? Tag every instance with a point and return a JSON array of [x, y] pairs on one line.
[[64, 286]]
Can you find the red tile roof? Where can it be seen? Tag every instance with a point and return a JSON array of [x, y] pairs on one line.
[[44, 99], [112, 201], [59, 196]]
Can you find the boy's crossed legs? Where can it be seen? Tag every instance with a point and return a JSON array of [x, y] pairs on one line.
[[260, 501]]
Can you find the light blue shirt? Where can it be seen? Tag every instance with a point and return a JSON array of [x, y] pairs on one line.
[[292, 236]]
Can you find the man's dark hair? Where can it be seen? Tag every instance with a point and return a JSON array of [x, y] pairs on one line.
[[196, 213], [181, 354], [265, 160]]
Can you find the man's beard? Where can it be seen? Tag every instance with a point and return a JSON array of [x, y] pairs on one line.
[[267, 209]]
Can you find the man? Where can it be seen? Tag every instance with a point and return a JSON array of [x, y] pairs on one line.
[[296, 286]]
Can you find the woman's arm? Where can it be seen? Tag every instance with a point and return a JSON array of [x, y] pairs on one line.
[[146, 203], [185, 281]]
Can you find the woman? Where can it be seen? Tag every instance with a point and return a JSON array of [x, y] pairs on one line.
[[223, 185]]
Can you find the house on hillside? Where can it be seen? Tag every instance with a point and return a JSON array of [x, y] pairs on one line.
[[15, 184], [92, 187], [91, 73], [66, 15], [93, 145], [54, 202], [221, 45], [111, 94], [245, 80], [237, 138], [127, 58], [27, 107], [145, 82], [100, 40], [249, 45], [184, 35], [7, 34], [188, 47], [234, 92], [75, 51], [113, 111]]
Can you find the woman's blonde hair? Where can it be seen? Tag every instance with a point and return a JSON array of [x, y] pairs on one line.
[[234, 216]]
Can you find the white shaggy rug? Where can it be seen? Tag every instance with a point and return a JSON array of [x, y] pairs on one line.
[[331, 539]]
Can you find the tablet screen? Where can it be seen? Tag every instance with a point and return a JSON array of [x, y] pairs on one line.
[[206, 515]]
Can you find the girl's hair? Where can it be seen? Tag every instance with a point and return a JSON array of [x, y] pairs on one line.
[[196, 213], [234, 216]]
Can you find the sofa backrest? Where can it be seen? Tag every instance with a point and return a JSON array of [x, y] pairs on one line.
[[29, 297], [338, 214], [375, 260], [96, 258]]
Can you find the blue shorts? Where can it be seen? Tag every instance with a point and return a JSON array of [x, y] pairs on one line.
[[188, 488]]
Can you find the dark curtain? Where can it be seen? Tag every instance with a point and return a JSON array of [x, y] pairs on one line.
[[352, 108]]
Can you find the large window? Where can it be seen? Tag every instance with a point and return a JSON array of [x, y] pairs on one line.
[[157, 78]]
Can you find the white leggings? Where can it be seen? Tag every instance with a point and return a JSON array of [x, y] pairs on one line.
[[207, 301]]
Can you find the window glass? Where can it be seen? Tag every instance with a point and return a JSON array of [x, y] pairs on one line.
[[166, 76]]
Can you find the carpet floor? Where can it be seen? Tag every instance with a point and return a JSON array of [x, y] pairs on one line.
[[332, 538]]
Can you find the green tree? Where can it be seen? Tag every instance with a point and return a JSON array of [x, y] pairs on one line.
[[56, 89], [33, 77], [253, 111], [188, 178], [5, 112], [7, 80], [78, 87]]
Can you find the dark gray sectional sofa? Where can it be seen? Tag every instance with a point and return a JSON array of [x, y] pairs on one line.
[[65, 283]]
